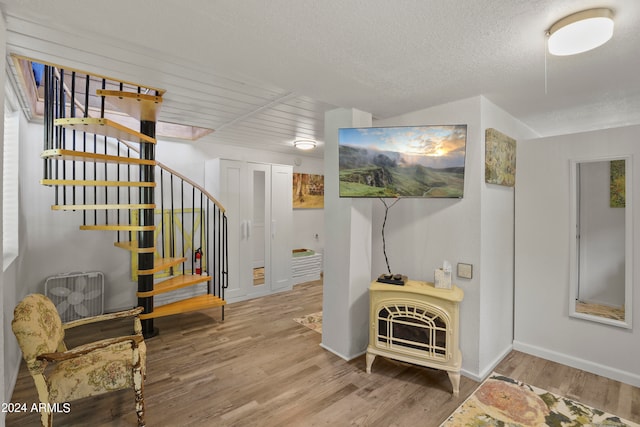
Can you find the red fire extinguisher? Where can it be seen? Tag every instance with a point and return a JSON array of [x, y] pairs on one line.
[[198, 261]]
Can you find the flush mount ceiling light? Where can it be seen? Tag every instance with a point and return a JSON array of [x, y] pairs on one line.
[[580, 32], [304, 144]]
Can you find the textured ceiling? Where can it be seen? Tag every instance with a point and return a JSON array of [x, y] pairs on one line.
[[264, 72]]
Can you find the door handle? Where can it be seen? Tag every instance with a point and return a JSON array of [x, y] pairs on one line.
[[243, 230]]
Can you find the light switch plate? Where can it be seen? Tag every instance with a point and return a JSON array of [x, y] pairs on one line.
[[465, 271]]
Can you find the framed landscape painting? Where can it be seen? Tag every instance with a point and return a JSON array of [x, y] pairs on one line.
[[500, 158], [617, 183], [308, 191]]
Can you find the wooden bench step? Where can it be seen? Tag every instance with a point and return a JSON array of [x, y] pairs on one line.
[[105, 206], [82, 156], [174, 283], [133, 247], [137, 105], [160, 264], [98, 183], [200, 302], [106, 127]]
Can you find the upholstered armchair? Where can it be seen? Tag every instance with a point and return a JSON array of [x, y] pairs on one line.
[[62, 375]]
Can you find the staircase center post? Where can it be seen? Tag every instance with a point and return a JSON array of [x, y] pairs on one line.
[[146, 238]]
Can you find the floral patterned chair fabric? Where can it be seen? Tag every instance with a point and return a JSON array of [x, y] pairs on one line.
[[62, 375]]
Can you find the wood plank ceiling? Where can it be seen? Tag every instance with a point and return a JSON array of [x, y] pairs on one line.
[[239, 112]]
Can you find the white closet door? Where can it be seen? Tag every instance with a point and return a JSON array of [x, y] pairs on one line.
[[281, 226], [258, 202], [226, 179]]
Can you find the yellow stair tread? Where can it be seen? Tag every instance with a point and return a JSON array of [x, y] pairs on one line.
[[132, 246], [118, 227], [104, 206], [137, 105], [81, 156], [94, 183], [200, 302], [176, 282], [160, 264], [106, 127]]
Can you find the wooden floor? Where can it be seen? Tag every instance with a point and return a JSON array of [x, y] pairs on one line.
[[606, 311], [260, 368]]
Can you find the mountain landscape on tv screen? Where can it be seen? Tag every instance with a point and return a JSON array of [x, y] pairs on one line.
[[423, 166]]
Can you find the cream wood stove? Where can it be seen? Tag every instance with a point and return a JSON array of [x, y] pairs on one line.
[[416, 323]]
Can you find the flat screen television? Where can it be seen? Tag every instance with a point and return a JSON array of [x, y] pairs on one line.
[[403, 161]]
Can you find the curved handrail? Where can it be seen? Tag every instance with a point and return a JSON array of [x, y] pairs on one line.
[[79, 105], [179, 175]]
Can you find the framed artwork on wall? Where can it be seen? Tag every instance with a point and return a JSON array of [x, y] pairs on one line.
[[617, 183], [308, 191], [500, 158]]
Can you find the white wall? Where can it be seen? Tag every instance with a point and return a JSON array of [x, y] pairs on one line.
[[13, 291], [421, 233], [4, 333], [11, 287], [347, 260], [543, 326], [307, 223], [497, 248], [478, 229]]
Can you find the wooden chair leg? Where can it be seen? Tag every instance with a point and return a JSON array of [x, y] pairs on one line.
[[138, 386], [46, 418]]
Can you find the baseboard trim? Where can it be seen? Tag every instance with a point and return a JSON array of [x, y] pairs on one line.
[[231, 300], [482, 375], [342, 356], [492, 366], [575, 362], [471, 375]]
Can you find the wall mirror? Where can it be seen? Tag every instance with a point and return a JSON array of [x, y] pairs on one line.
[[257, 233], [601, 241]]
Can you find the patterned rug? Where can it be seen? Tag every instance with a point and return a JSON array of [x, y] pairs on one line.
[[312, 321], [501, 401]]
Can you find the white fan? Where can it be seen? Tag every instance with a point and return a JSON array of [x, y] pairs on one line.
[[76, 295]]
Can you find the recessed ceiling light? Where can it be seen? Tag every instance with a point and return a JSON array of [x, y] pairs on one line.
[[580, 32], [304, 144]]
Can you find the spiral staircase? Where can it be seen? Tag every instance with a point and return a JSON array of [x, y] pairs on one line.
[[97, 165]]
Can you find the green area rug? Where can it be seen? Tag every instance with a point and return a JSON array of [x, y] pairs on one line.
[[503, 402]]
